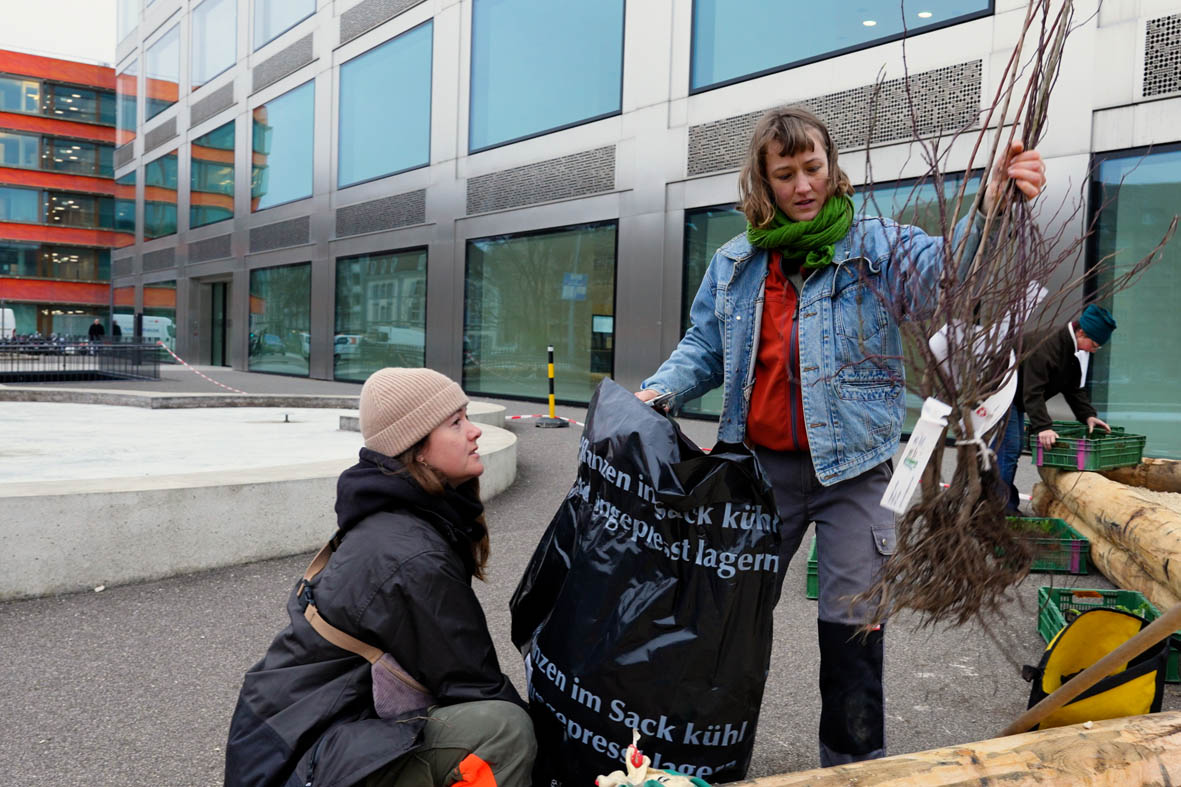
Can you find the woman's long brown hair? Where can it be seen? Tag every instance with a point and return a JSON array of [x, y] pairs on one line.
[[433, 485]]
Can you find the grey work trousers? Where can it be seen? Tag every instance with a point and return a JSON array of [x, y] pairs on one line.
[[854, 536], [483, 744]]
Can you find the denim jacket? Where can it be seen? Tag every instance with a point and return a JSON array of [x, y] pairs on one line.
[[850, 346]]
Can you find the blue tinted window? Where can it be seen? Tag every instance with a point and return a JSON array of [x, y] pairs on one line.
[[125, 209], [162, 69], [283, 144], [127, 99], [385, 108], [215, 39], [1134, 375], [20, 150], [736, 39], [127, 15], [538, 65], [211, 176], [915, 202], [274, 17], [22, 205], [706, 230]]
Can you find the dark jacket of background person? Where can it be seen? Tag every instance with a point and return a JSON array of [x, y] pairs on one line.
[[96, 331], [1053, 369], [400, 581]]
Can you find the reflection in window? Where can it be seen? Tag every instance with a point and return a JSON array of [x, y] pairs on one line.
[[19, 150], [280, 319], [1134, 376], [283, 136], [274, 17], [159, 323], [125, 209], [385, 108], [127, 15], [23, 205], [706, 230], [380, 313], [523, 292], [538, 65], [20, 95], [127, 101], [211, 194], [162, 72], [915, 201], [214, 39], [732, 39], [160, 183], [123, 310]]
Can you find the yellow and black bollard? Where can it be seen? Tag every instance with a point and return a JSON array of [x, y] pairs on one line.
[[551, 422]]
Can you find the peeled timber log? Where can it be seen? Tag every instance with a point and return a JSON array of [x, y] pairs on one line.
[[1127, 518], [1159, 475], [1140, 750], [1118, 565]]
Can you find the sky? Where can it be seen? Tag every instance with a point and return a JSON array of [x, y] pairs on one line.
[[70, 29]]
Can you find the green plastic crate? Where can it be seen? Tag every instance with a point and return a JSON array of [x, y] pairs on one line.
[[812, 587], [1054, 603], [1057, 547], [1076, 450]]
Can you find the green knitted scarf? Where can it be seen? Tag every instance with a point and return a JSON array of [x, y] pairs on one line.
[[811, 241]]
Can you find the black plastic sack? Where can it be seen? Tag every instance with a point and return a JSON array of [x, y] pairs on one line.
[[647, 605]]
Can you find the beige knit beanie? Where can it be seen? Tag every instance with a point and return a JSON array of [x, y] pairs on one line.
[[399, 407]]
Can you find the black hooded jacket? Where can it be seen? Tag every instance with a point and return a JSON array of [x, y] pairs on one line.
[[1052, 369], [399, 580]]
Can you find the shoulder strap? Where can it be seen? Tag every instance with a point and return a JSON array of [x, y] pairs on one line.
[[322, 627]]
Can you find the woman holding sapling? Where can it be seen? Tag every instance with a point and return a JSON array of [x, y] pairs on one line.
[[794, 319]]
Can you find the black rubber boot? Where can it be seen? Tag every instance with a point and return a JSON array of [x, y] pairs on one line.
[[852, 713]]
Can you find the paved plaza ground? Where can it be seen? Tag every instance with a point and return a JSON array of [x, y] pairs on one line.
[[135, 685]]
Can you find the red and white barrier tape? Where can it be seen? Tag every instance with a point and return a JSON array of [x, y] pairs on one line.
[[185, 364], [542, 415]]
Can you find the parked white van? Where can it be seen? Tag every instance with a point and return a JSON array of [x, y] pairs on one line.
[[155, 329]]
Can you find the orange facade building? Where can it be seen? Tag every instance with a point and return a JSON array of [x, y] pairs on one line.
[[61, 211]]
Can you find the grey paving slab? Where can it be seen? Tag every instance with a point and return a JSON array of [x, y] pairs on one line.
[[135, 685]]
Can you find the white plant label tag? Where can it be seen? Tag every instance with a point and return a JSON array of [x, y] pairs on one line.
[[923, 438]]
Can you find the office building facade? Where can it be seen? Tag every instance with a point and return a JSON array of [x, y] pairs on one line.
[[61, 211], [326, 187]]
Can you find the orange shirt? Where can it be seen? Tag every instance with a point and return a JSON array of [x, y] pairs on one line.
[[776, 418]]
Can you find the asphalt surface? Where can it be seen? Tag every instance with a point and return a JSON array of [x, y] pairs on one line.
[[135, 685]]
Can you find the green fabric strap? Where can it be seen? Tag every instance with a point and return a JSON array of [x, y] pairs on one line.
[[811, 241]]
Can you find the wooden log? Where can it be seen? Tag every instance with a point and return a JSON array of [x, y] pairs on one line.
[[1127, 518], [1118, 565], [1159, 475], [1121, 567], [1116, 752]]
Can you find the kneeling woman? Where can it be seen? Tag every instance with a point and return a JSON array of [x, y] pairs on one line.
[[411, 537]]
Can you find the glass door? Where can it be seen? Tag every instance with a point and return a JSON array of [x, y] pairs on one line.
[[217, 336]]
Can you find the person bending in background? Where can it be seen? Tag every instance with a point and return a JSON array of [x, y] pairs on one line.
[[1057, 365]]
